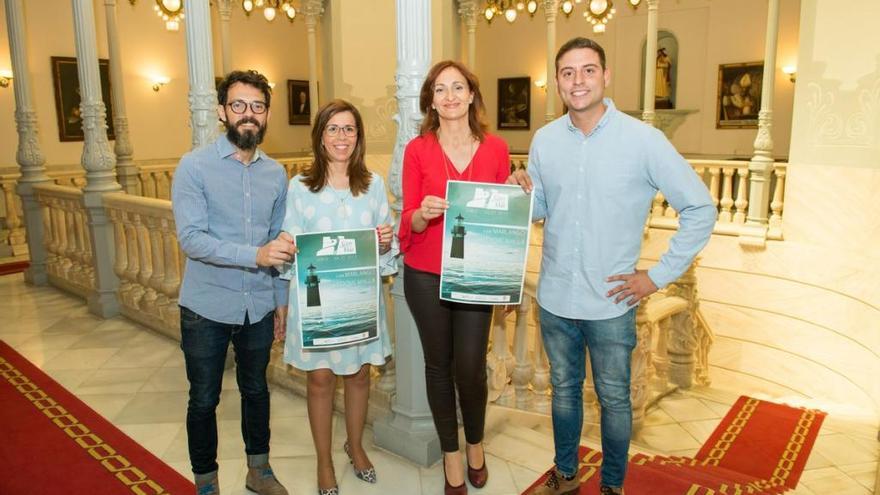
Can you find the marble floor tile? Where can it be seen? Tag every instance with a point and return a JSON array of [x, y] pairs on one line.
[[167, 380], [865, 473], [155, 437], [688, 409], [666, 437], [77, 359], [700, 430], [70, 379], [109, 338], [140, 355], [831, 480], [49, 341], [154, 407], [843, 450], [107, 405], [121, 381]]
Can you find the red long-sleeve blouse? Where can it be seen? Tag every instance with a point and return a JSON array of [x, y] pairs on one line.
[[425, 172]]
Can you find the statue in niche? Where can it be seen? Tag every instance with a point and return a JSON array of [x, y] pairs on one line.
[[663, 83]]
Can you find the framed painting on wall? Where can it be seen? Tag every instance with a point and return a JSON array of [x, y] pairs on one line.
[[514, 103], [65, 79], [739, 95], [298, 101]]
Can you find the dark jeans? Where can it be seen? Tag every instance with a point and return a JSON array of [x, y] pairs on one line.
[[204, 343], [454, 339]]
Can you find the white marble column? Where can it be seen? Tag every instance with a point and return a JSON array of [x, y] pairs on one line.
[[29, 156], [409, 429], [469, 10], [200, 58], [224, 8], [313, 9], [126, 170], [550, 10], [650, 62], [97, 160], [754, 231]]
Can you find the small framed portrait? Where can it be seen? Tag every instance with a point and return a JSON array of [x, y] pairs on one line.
[[514, 103], [298, 101], [65, 79], [739, 95]]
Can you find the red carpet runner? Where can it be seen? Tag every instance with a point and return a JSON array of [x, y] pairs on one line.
[[14, 267], [759, 447], [53, 443]]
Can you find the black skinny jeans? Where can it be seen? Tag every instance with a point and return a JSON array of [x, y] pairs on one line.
[[454, 340]]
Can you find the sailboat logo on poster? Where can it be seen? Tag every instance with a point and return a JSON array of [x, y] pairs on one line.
[[485, 241]]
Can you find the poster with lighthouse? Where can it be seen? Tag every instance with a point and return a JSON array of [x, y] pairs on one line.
[[485, 243], [337, 284]]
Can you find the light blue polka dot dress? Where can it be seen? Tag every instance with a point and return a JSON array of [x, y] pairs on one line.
[[334, 209]]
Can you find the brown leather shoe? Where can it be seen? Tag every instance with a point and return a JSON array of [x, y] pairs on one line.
[[556, 484], [449, 489], [478, 477]]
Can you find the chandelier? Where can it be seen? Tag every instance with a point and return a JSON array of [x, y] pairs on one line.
[[597, 12], [270, 8], [171, 11]]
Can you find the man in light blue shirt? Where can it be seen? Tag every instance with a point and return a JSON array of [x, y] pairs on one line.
[[594, 173], [228, 199]]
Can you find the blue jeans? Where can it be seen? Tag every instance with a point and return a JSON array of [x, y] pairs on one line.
[[610, 344], [204, 343]]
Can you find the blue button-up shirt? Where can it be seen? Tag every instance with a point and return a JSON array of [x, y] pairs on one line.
[[594, 192], [224, 211]]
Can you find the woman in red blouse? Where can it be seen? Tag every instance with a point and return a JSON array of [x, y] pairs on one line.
[[453, 145]]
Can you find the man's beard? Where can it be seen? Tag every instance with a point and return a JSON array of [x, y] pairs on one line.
[[247, 140]]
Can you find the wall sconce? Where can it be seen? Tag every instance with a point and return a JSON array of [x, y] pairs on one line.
[[159, 81], [541, 84], [5, 78], [271, 85], [791, 71]]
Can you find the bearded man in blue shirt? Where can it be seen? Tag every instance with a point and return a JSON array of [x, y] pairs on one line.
[[594, 173], [228, 199]]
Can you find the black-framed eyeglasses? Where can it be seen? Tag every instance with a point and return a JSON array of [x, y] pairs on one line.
[[348, 130], [240, 106]]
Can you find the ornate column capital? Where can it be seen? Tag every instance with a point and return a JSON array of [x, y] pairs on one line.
[[551, 9], [468, 10], [312, 8], [224, 8]]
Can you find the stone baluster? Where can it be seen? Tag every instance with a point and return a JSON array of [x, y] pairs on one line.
[[87, 251], [496, 362], [74, 267], [742, 195], [132, 229], [682, 333], [50, 238], [641, 357], [59, 232], [171, 282], [148, 302], [13, 221], [163, 185], [523, 368], [158, 264], [657, 209], [754, 232], [715, 185], [541, 378], [121, 263], [776, 205], [726, 195]]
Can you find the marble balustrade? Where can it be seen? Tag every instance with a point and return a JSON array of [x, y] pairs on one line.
[[69, 264], [728, 184]]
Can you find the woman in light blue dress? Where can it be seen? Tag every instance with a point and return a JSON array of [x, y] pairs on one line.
[[338, 193]]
